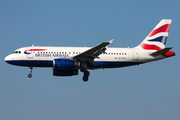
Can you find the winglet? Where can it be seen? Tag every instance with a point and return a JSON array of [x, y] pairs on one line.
[[111, 41]]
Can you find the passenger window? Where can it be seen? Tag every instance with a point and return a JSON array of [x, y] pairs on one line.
[[122, 53]]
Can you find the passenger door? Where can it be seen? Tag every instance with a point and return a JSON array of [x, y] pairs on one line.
[[135, 54]]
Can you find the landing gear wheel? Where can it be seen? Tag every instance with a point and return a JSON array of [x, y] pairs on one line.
[[29, 75], [85, 78]]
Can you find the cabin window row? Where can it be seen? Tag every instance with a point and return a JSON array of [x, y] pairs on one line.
[[80, 52], [59, 52], [115, 53]]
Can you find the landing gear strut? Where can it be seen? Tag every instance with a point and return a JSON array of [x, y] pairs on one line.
[[30, 74]]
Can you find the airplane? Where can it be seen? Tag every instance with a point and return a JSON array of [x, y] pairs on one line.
[[67, 61]]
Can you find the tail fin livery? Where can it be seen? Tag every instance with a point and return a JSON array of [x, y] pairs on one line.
[[156, 39]]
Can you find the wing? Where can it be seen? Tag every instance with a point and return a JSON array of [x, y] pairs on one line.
[[91, 54]]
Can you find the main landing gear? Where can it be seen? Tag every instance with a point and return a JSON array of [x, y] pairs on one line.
[[86, 75], [30, 74], [85, 71]]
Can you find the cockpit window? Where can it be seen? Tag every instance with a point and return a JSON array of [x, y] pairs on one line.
[[17, 52]]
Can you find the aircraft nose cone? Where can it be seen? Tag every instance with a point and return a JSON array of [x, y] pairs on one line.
[[7, 59], [10, 59]]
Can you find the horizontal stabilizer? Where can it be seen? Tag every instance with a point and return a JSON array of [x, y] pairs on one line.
[[162, 51]]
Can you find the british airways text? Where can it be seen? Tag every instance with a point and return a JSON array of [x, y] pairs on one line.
[[51, 55]]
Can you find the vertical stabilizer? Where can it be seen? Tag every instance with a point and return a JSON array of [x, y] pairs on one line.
[[156, 40]]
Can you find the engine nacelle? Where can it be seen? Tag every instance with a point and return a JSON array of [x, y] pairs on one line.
[[65, 64], [57, 72]]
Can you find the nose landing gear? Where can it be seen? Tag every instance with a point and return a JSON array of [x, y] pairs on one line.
[[30, 74]]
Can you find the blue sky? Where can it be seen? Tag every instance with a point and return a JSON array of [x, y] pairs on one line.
[[149, 91]]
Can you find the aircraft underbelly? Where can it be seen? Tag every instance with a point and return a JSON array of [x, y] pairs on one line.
[[109, 64], [31, 63]]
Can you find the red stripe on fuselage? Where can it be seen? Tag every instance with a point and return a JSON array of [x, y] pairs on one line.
[[164, 28], [35, 50]]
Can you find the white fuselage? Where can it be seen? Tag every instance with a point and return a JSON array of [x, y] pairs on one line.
[[113, 57]]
